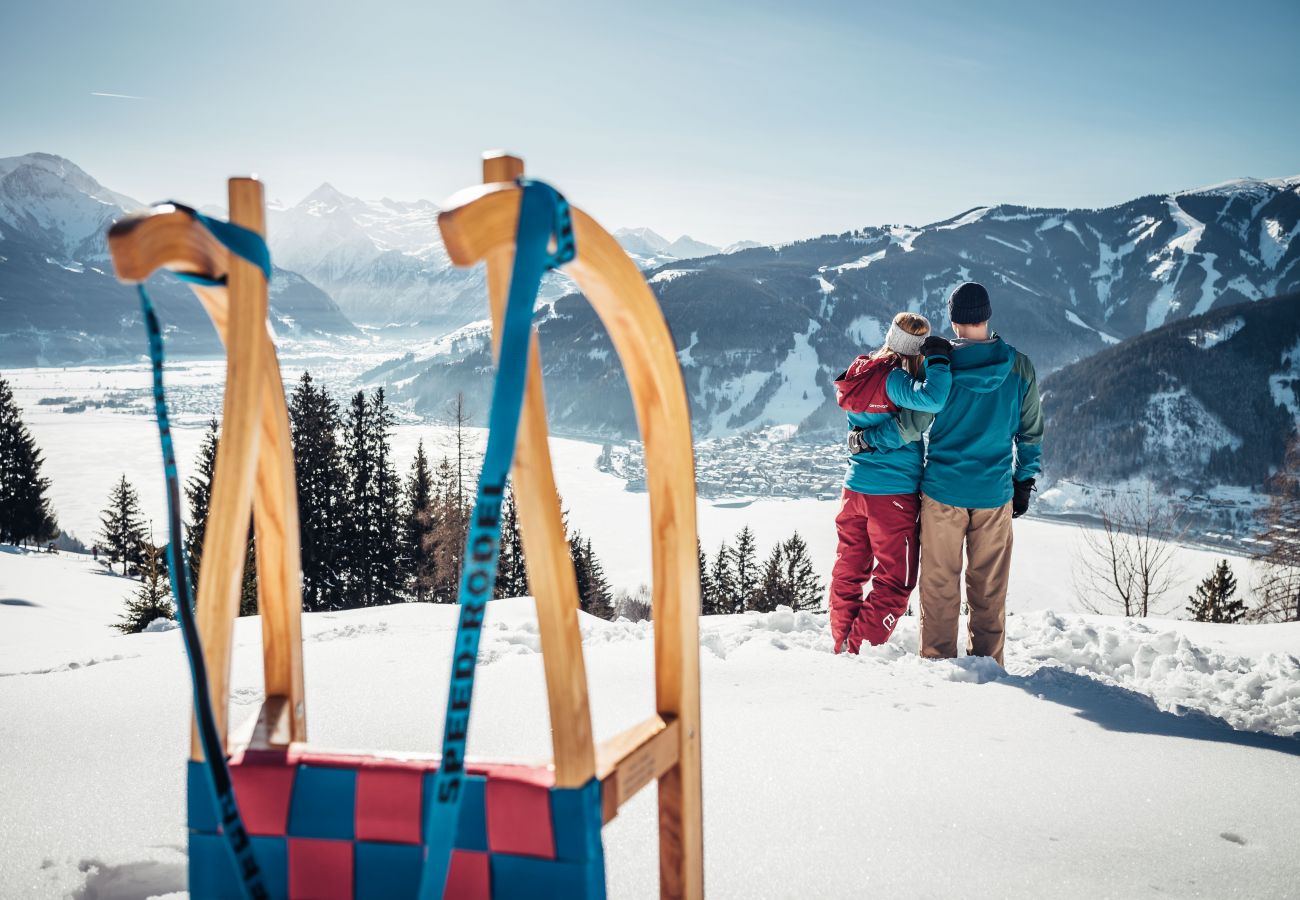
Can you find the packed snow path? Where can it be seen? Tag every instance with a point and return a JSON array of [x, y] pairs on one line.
[[883, 775]]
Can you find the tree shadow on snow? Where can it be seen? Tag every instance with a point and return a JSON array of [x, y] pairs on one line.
[[1120, 709]]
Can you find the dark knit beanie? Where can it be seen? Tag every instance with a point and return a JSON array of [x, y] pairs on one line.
[[968, 304]]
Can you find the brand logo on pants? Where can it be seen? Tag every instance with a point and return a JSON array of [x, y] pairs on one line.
[[888, 621]]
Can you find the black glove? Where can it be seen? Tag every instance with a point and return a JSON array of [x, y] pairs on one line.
[[1020, 499], [936, 346], [858, 444]]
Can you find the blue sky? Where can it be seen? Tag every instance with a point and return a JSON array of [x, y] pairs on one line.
[[724, 120]]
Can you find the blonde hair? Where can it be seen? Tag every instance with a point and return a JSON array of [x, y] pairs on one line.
[[912, 323]]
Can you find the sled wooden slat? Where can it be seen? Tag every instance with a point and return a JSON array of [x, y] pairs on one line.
[[631, 760], [164, 238], [546, 549], [273, 728], [480, 224], [275, 499], [258, 476]]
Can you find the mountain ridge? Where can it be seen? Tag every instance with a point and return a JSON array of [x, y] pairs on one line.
[[761, 331], [59, 300]]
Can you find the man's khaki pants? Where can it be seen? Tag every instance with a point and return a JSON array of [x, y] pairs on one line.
[[986, 536]]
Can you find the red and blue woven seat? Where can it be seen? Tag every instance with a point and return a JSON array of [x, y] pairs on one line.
[[338, 826]]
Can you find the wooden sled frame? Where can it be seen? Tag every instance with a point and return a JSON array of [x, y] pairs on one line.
[[254, 472], [254, 466], [479, 225]]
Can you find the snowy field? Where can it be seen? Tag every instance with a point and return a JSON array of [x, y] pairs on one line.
[[1121, 759], [86, 453]]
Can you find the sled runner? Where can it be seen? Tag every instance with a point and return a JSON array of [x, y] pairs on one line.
[[270, 816]]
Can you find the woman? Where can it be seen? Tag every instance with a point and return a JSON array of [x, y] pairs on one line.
[[890, 397]]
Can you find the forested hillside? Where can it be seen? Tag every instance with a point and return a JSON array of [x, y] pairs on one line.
[[1210, 399]]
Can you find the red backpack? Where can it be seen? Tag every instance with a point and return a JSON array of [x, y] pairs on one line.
[[861, 387]]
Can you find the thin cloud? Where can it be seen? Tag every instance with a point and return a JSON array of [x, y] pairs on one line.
[[118, 96]]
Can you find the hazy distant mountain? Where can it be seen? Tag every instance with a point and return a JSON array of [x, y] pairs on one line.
[[760, 332], [382, 261], [650, 250], [59, 301]]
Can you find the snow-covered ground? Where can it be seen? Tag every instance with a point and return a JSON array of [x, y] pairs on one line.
[[1106, 765]]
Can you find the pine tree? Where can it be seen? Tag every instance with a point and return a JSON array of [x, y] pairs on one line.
[[25, 513], [773, 589], [722, 584], [594, 595], [386, 568], [804, 586], [461, 419], [706, 579], [122, 532], [198, 491], [323, 514], [747, 571], [601, 601], [451, 520], [359, 493], [418, 523], [372, 550], [512, 574], [152, 600], [1214, 600]]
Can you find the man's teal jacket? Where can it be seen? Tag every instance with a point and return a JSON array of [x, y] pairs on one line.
[[988, 433]]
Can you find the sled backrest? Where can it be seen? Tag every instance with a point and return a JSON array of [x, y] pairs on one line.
[[254, 472], [479, 225], [254, 468]]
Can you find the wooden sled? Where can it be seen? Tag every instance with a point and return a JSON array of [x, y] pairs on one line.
[[254, 471]]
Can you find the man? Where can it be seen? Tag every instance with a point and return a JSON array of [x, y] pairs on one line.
[[981, 461], [984, 454]]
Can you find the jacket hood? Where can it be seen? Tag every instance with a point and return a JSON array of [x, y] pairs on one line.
[[861, 387], [981, 366]]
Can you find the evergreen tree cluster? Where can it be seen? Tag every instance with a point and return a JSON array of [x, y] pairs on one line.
[[368, 536], [25, 512], [735, 581]]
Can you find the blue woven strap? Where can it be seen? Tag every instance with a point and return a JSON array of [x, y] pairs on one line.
[[543, 214], [250, 246]]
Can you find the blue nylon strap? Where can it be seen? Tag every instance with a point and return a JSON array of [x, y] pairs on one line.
[[248, 873], [245, 243], [543, 214]]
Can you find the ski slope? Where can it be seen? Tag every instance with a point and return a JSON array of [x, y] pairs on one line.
[[1105, 767]]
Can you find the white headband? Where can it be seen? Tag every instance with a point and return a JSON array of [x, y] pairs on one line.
[[904, 342]]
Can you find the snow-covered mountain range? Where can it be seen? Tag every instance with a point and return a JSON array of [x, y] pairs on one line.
[[59, 301], [384, 263], [761, 331]]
